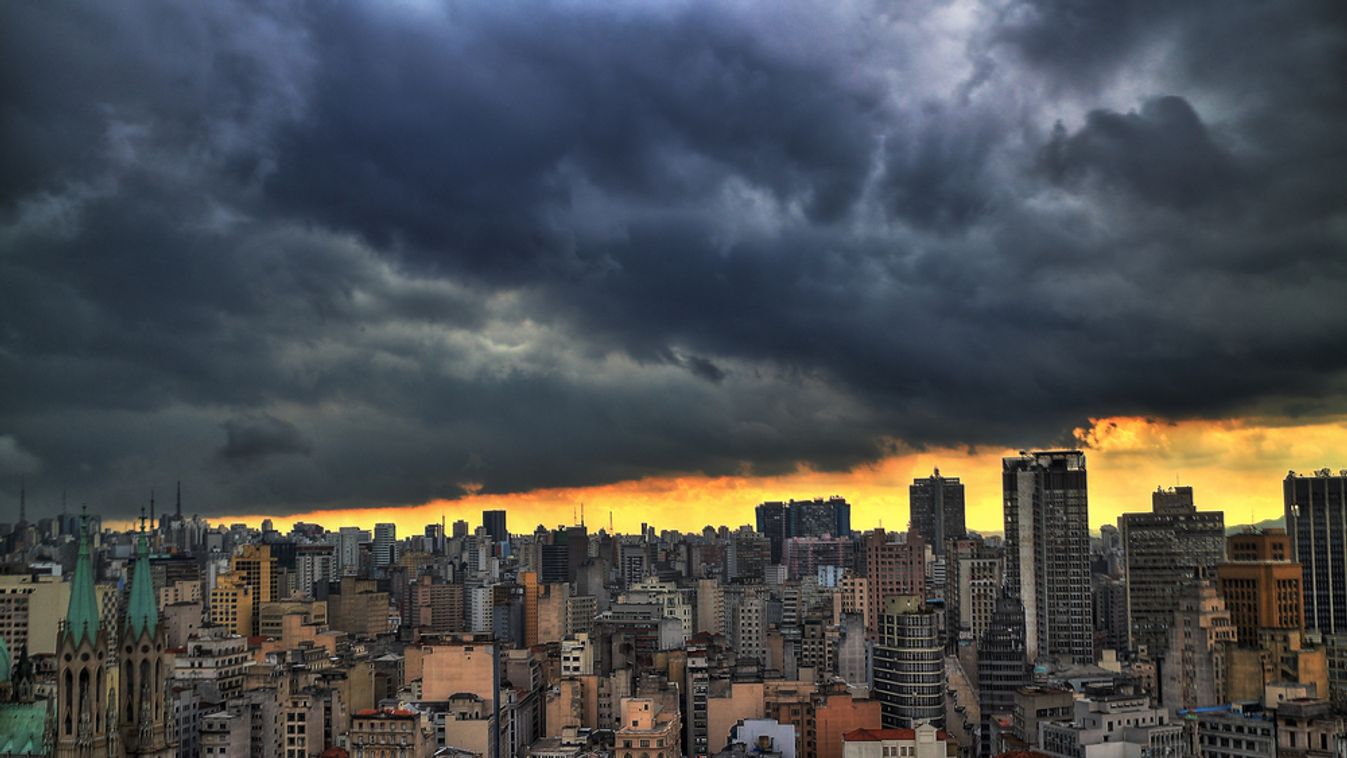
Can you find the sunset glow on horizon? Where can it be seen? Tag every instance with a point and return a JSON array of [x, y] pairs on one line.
[[1236, 466]]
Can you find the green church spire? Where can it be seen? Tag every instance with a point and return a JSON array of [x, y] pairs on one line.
[[142, 609], [81, 617]]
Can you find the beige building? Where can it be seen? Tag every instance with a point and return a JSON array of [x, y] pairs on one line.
[[647, 730], [231, 604], [30, 610], [273, 612], [453, 664], [391, 733], [923, 742]]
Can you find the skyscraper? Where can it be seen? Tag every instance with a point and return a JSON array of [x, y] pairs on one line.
[[1002, 666], [1166, 548], [773, 522], [910, 664], [1316, 517], [936, 509], [385, 535], [1047, 542], [494, 521]]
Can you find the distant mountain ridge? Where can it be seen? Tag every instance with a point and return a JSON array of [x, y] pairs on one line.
[[1270, 523]]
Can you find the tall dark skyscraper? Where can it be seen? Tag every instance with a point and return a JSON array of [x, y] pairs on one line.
[[802, 518], [774, 524], [1002, 666], [1047, 514], [494, 522], [1316, 518], [936, 508]]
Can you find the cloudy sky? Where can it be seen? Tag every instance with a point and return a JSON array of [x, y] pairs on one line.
[[674, 255]]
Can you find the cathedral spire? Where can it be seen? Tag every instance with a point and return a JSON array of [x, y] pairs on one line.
[[81, 616], [142, 608]]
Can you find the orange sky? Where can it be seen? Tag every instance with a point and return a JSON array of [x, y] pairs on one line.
[[1236, 466]]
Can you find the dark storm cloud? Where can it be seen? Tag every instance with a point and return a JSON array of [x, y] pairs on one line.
[[355, 254], [253, 439]]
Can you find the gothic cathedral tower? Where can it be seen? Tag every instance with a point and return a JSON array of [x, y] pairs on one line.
[[143, 640], [82, 687]]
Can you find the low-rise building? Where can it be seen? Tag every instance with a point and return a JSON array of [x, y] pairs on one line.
[[925, 741]]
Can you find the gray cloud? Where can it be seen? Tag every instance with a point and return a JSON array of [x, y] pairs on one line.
[[396, 252]]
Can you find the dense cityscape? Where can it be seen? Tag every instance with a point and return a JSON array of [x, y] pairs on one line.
[[673, 379], [799, 636]]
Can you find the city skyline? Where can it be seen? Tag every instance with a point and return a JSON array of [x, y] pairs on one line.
[[387, 255]]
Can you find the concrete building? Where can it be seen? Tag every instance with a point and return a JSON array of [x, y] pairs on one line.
[[385, 544], [1234, 732], [391, 733], [1316, 519], [648, 730], [924, 741], [909, 665], [895, 565], [1032, 705], [973, 585], [1308, 728], [494, 523], [1118, 726], [936, 509], [1193, 671], [1173, 544], [1262, 587], [1047, 542]]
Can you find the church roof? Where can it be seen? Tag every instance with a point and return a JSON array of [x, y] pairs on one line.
[[22, 728], [142, 607], [81, 616]]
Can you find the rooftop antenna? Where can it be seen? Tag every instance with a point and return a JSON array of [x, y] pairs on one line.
[[610, 521], [179, 499], [23, 500], [573, 518], [582, 513], [142, 515]]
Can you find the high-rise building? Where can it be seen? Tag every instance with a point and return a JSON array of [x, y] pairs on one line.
[[385, 544], [894, 565], [773, 522], [494, 521], [936, 507], [1261, 585], [910, 664], [1316, 518], [972, 587], [779, 521], [1173, 544], [1047, 540], [1192, 673], [1002, 667]]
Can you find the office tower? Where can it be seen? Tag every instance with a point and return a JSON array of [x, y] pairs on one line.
[[1047, 540], [936, 509], [494, 521], [1171, 545], [774, 524], [349, 539], [555, 561], [1316, 518], [460, 529], [972, 587], [1192, 673], [819, 517], [909, 664], [1002, 666], [1262, 587], [894, 565], [385, 539], [253, 567]]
